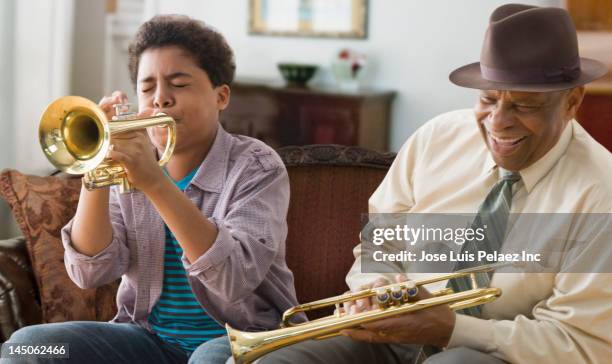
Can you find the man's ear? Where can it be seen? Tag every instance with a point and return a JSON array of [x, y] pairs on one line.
[[223, 96], [574, 100]]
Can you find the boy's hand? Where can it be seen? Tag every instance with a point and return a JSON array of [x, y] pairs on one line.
[[364, 304], [107, 102], [133, 149]]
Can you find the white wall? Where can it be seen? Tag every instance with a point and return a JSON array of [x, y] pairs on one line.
[[7, 24], [43, 56], [35, 60], [88, 49], [412, 47], [7, 132]]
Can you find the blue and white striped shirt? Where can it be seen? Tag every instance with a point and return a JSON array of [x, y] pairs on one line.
[[177, 317]]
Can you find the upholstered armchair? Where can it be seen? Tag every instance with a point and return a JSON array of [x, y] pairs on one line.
[[330, 187]]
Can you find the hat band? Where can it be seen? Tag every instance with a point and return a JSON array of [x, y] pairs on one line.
[[532, 75]]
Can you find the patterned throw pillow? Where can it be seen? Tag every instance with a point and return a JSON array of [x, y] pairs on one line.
[[42, 206]]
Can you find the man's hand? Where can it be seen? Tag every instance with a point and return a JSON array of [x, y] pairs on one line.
[[432, 326], [364, 304], [133, 149]]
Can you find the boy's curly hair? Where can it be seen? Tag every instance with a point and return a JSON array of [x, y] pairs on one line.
[[207, 46]]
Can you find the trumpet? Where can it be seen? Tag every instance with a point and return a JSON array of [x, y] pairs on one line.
[[393, 299], [75, 135]]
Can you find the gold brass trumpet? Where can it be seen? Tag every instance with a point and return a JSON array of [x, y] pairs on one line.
[[393, 299], [75, 136]]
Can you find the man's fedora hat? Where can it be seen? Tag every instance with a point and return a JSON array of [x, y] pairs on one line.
[[529, 48]]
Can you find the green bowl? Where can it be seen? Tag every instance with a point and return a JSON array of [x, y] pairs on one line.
[[297, 74]]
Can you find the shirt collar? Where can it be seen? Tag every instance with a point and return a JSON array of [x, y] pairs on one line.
[[211, 173], [531, 175]]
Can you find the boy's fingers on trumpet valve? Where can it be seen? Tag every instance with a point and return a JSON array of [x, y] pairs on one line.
[[119, 95], [107, 102]]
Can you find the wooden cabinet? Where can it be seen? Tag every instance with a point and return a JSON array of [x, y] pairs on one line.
[[281, 115], [593, 19], [595, 113], [591, 14]]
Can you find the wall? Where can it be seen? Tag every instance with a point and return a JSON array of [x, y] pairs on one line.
[[88, 49], [43, 59], [7, 140], [412, 47], [35, 41], [7, 132]]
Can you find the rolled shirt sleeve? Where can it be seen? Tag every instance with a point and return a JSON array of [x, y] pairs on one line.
[[557, 332], [572, 325], [106, 266], [251, 234]]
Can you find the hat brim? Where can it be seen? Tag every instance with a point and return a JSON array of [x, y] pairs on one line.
[[470, 76]]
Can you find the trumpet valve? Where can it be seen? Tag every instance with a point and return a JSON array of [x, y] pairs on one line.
[[397, 295], [382, 297], [411, 290], [123, 111]]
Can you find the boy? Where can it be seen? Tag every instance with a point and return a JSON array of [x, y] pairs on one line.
[[197, 245]]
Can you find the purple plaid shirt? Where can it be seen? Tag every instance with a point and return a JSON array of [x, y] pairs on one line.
[[243, 188]]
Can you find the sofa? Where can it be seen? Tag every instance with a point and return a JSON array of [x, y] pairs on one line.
[[330, 187]]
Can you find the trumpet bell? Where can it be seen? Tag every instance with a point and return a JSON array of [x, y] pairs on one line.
[[74, 134]]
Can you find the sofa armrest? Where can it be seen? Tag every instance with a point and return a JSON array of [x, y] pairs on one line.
[[19, 302]]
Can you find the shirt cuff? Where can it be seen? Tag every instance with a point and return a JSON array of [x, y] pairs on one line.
[[473, 333], [217, 253], [72, 255]]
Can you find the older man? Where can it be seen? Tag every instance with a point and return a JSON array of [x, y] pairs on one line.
[[519, 151]]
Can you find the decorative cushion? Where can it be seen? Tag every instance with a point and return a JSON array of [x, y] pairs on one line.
[[42, 206]]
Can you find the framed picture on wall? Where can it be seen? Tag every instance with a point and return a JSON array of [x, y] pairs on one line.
[[309, 18]]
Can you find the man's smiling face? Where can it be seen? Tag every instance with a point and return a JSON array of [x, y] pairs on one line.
[[521, 127]]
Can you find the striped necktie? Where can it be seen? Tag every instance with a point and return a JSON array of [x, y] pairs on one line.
[[493, 213], [492, 217]]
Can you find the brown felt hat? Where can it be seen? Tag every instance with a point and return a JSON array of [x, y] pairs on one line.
[[529, 48]]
